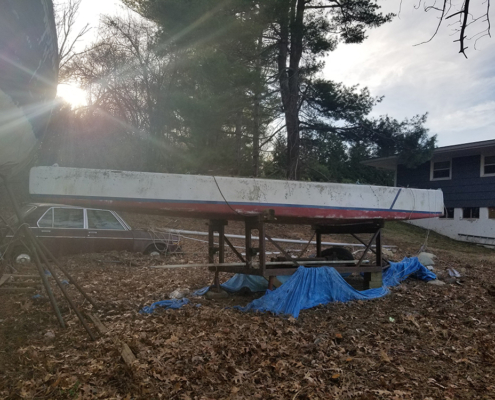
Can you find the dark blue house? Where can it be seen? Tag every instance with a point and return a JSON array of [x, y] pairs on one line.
[[466, 175]]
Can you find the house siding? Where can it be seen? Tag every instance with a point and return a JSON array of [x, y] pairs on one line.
[[466, 188]]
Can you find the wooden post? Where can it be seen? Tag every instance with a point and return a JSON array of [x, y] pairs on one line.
[[216, 225], [378, 248], [248, 227], [262, 239], [211, 243], [221, 243], [318, 243], [270, 282]]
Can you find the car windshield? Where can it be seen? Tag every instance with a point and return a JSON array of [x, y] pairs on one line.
[[25, 210]]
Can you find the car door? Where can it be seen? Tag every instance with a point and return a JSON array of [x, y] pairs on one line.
[[106, 232], [44, 230], [62, 230]]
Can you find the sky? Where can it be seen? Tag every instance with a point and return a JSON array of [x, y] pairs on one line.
[[457, 93]]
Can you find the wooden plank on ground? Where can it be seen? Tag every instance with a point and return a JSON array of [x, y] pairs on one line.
[[22, 276], [99, 325], [125, 351], [17, 290]]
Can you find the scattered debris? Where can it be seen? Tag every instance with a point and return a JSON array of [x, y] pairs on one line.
[[179, 293], [453, 273], [50, 335], [436, 282], [427, 259]]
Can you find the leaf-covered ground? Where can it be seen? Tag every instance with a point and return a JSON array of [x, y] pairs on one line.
[[420, 342]]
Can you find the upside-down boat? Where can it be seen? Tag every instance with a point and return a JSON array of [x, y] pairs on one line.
[[231, 198]]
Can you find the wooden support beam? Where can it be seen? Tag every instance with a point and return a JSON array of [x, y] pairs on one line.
[[287, 255], [239, 255], [125, 351], [216, 226], [368, 248]]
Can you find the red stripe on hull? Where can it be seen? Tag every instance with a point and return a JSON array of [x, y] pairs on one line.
[[289, 215]]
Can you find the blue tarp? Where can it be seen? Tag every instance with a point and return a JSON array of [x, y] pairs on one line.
[[254, 283], [166, 304], [307, 288], [310, 287], [173, 303]]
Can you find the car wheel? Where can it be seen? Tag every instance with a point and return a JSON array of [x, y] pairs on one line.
[[156, 249], [20, 255]]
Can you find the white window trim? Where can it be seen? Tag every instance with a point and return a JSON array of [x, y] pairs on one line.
[[470, 218], [432, 162], [482, 165]]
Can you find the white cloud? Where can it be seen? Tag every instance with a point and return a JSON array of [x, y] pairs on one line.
[[458, 94]]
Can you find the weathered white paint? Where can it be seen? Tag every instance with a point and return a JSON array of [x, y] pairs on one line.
[[481, 230], [232, 198]]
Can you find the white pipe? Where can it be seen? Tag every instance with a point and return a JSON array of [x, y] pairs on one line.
[[179, 231]]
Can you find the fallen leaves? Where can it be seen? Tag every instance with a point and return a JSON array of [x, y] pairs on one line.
[[440, 344]]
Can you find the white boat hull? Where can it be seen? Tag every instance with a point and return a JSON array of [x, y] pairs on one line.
[[231, 198]]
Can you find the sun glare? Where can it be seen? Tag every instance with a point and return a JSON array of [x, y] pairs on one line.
[[73, 95]]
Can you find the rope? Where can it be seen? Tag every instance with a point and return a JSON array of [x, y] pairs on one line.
[[226, 202]]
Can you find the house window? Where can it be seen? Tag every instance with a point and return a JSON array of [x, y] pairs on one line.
[[448, 214], [487, 165], [441, 170], [491, 212], [471, 213]]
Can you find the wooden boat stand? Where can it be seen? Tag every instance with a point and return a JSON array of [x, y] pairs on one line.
[[287, 265], [40, 254]]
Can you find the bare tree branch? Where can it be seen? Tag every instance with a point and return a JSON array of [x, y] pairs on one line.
[[66, 14], [466, 21]]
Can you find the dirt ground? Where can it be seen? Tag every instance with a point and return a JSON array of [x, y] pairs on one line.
[[419, 342]]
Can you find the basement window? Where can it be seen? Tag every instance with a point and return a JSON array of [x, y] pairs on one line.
[[449, 213], [471, 213], [487, 165], [440, 170]]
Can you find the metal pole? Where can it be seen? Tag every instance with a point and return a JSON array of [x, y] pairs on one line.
[[69, 276], [32, 240], [43, 277], [61, 286]]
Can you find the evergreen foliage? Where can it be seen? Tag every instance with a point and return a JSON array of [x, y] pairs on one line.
[[234, 88]]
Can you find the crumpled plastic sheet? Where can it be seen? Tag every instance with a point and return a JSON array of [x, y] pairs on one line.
[[309, 287], [172, 304], [255, 283]]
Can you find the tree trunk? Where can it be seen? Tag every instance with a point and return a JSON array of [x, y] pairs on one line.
[[238, 143], [256, 136], [291, 26], [256, 110]]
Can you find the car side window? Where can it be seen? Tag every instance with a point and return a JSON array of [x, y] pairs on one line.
[[99, 219], [72, 218], [46, 221]]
